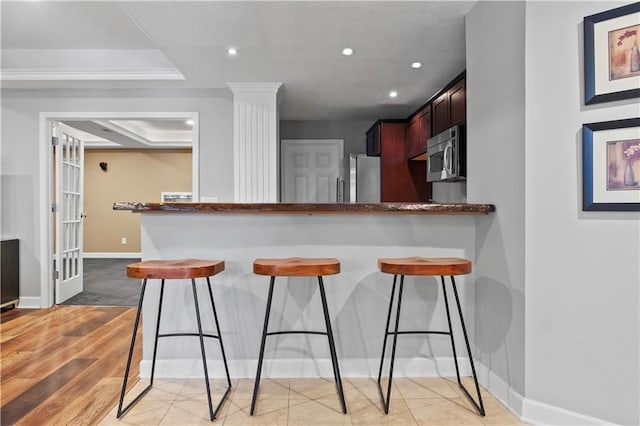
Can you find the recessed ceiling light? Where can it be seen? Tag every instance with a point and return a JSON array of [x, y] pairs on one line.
[[416, 65], [188, 122], [347, 51], [232, 51], [393, 94]]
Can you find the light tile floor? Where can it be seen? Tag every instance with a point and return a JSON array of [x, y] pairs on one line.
[[414, 401]]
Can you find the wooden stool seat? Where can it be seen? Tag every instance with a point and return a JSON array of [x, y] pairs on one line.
[[297, 267], [425, 266], [175, 269]]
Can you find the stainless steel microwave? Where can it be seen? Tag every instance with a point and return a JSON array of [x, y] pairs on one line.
[[447, 156]]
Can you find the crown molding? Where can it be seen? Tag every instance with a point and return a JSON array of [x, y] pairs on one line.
[[255, 87], [53, 75]]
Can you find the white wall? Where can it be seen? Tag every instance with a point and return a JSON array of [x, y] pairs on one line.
[[20, 152], [496, 173], [582, 269]]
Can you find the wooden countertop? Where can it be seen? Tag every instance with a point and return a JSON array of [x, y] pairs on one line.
[[301, 208]]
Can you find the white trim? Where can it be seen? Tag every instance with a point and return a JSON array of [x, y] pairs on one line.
[[195, 158], [271, 88], [111, 255], [527, 409], [45, 159], [255, 142], [304, 368], [500, 389], [143, 74], [46, 249], [540, 413], [29, 303]]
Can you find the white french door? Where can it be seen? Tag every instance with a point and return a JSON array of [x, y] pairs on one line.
[[69, 165]]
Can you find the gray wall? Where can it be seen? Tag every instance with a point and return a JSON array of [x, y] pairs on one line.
[[557, 289], [582, 268], [20, 152], [496, 133], [353, 132]]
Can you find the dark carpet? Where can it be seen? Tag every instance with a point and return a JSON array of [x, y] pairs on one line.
[[106, 284]]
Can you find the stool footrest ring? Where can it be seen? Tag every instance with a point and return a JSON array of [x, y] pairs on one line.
[[321, 333], [213, 336], [391, 333]]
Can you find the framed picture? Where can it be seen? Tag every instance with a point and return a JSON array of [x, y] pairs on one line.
[[612, 55], [611, 165]]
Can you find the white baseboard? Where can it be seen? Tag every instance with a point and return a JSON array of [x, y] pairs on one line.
[[540, 413], [29, 303], [500, 389], [305, 368], [113, 255], [527, 409]]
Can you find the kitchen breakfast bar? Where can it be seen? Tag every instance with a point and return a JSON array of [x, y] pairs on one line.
[[357, 297]]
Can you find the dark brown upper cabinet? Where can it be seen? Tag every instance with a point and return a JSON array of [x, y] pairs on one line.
[[458, 103], [418, 131], [450, 107], [441, 113], [373, 141]]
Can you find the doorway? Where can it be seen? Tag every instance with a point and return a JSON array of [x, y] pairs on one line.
[[127, 137]]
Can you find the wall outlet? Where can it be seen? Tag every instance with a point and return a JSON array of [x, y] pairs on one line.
[[124, 240]]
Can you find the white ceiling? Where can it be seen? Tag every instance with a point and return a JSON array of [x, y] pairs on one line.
[[181, 45]]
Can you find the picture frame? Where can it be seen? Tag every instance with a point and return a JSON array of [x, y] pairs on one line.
[[611, 165], [612, 55]]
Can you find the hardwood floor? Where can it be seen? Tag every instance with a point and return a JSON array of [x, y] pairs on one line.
[[63, 365]]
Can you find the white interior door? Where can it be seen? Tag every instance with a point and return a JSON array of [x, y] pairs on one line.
[[310, 170], [69, 164]]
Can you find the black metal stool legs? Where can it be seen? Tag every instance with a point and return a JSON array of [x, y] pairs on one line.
[[385, 401], [480, 406], [332, 346], [453, 344], [224, 356], [122, 411], [264, 339], [329, 334], [212, 413], [386, 331]]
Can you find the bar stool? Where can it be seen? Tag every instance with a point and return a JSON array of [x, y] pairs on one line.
[[425, 266], [298, 267], [175, 269]]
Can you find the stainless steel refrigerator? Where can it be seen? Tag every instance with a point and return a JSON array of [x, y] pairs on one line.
[[364, 179]]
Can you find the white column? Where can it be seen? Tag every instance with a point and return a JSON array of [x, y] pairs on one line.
[[256, 149]]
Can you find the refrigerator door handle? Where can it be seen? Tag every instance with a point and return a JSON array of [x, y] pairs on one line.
[[339, 190]]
